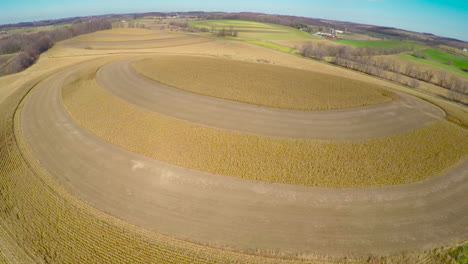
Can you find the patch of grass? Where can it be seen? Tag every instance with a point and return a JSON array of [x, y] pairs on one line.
[[274, 46], [445, 58], [408, 157], [453, 50], [460, 254], [260, 84], [384, 44], [435, 64]]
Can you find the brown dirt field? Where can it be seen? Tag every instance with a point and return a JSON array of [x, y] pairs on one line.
[[261, 84], [127, 31], [305, 162], [166, 41], [101, 37]]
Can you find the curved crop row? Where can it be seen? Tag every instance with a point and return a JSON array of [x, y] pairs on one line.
[[52, 226], [408, 157], [260, 84]]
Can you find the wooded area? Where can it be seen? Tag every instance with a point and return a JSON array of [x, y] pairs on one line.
[[30, 45]]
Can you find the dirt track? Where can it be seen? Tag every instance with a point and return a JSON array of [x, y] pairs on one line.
[[348, 124], [243, 214]]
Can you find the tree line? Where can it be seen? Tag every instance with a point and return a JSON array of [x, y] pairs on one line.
[[29, 46], [363, 60]]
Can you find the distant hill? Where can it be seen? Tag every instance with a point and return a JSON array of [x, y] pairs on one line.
[[374, 31], [294, 21]]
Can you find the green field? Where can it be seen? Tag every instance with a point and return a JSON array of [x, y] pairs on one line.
[[255, 30], [274, 46], [262, 34], [434, 63], [434, 57], [384, 44], [445, 58], [453, 50]]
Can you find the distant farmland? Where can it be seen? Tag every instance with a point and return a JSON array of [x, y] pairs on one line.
[[262, 34], [166, 144]]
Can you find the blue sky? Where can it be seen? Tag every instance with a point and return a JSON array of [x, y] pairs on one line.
[[442, 17]]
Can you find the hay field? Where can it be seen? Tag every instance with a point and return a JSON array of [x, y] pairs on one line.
[[260, 84], [408, 157]]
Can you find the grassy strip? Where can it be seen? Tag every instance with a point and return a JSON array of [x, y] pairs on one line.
[[460, 254], [445, 58], [409, 157], [387, 44], [261, 84], [434, 63], [453, 50], [274, 46]]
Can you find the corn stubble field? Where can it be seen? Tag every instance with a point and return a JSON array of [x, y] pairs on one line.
[[255, 83], [407, 157], [42, 222]]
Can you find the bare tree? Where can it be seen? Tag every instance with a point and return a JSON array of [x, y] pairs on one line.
[[30, 46]]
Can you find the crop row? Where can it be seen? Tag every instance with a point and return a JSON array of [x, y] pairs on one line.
[[408, 157], [261, 84], [52, 226]]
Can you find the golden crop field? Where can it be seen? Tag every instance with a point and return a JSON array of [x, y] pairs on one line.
[[408, 157], [43, 222], [260, 84], [53, 226]]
